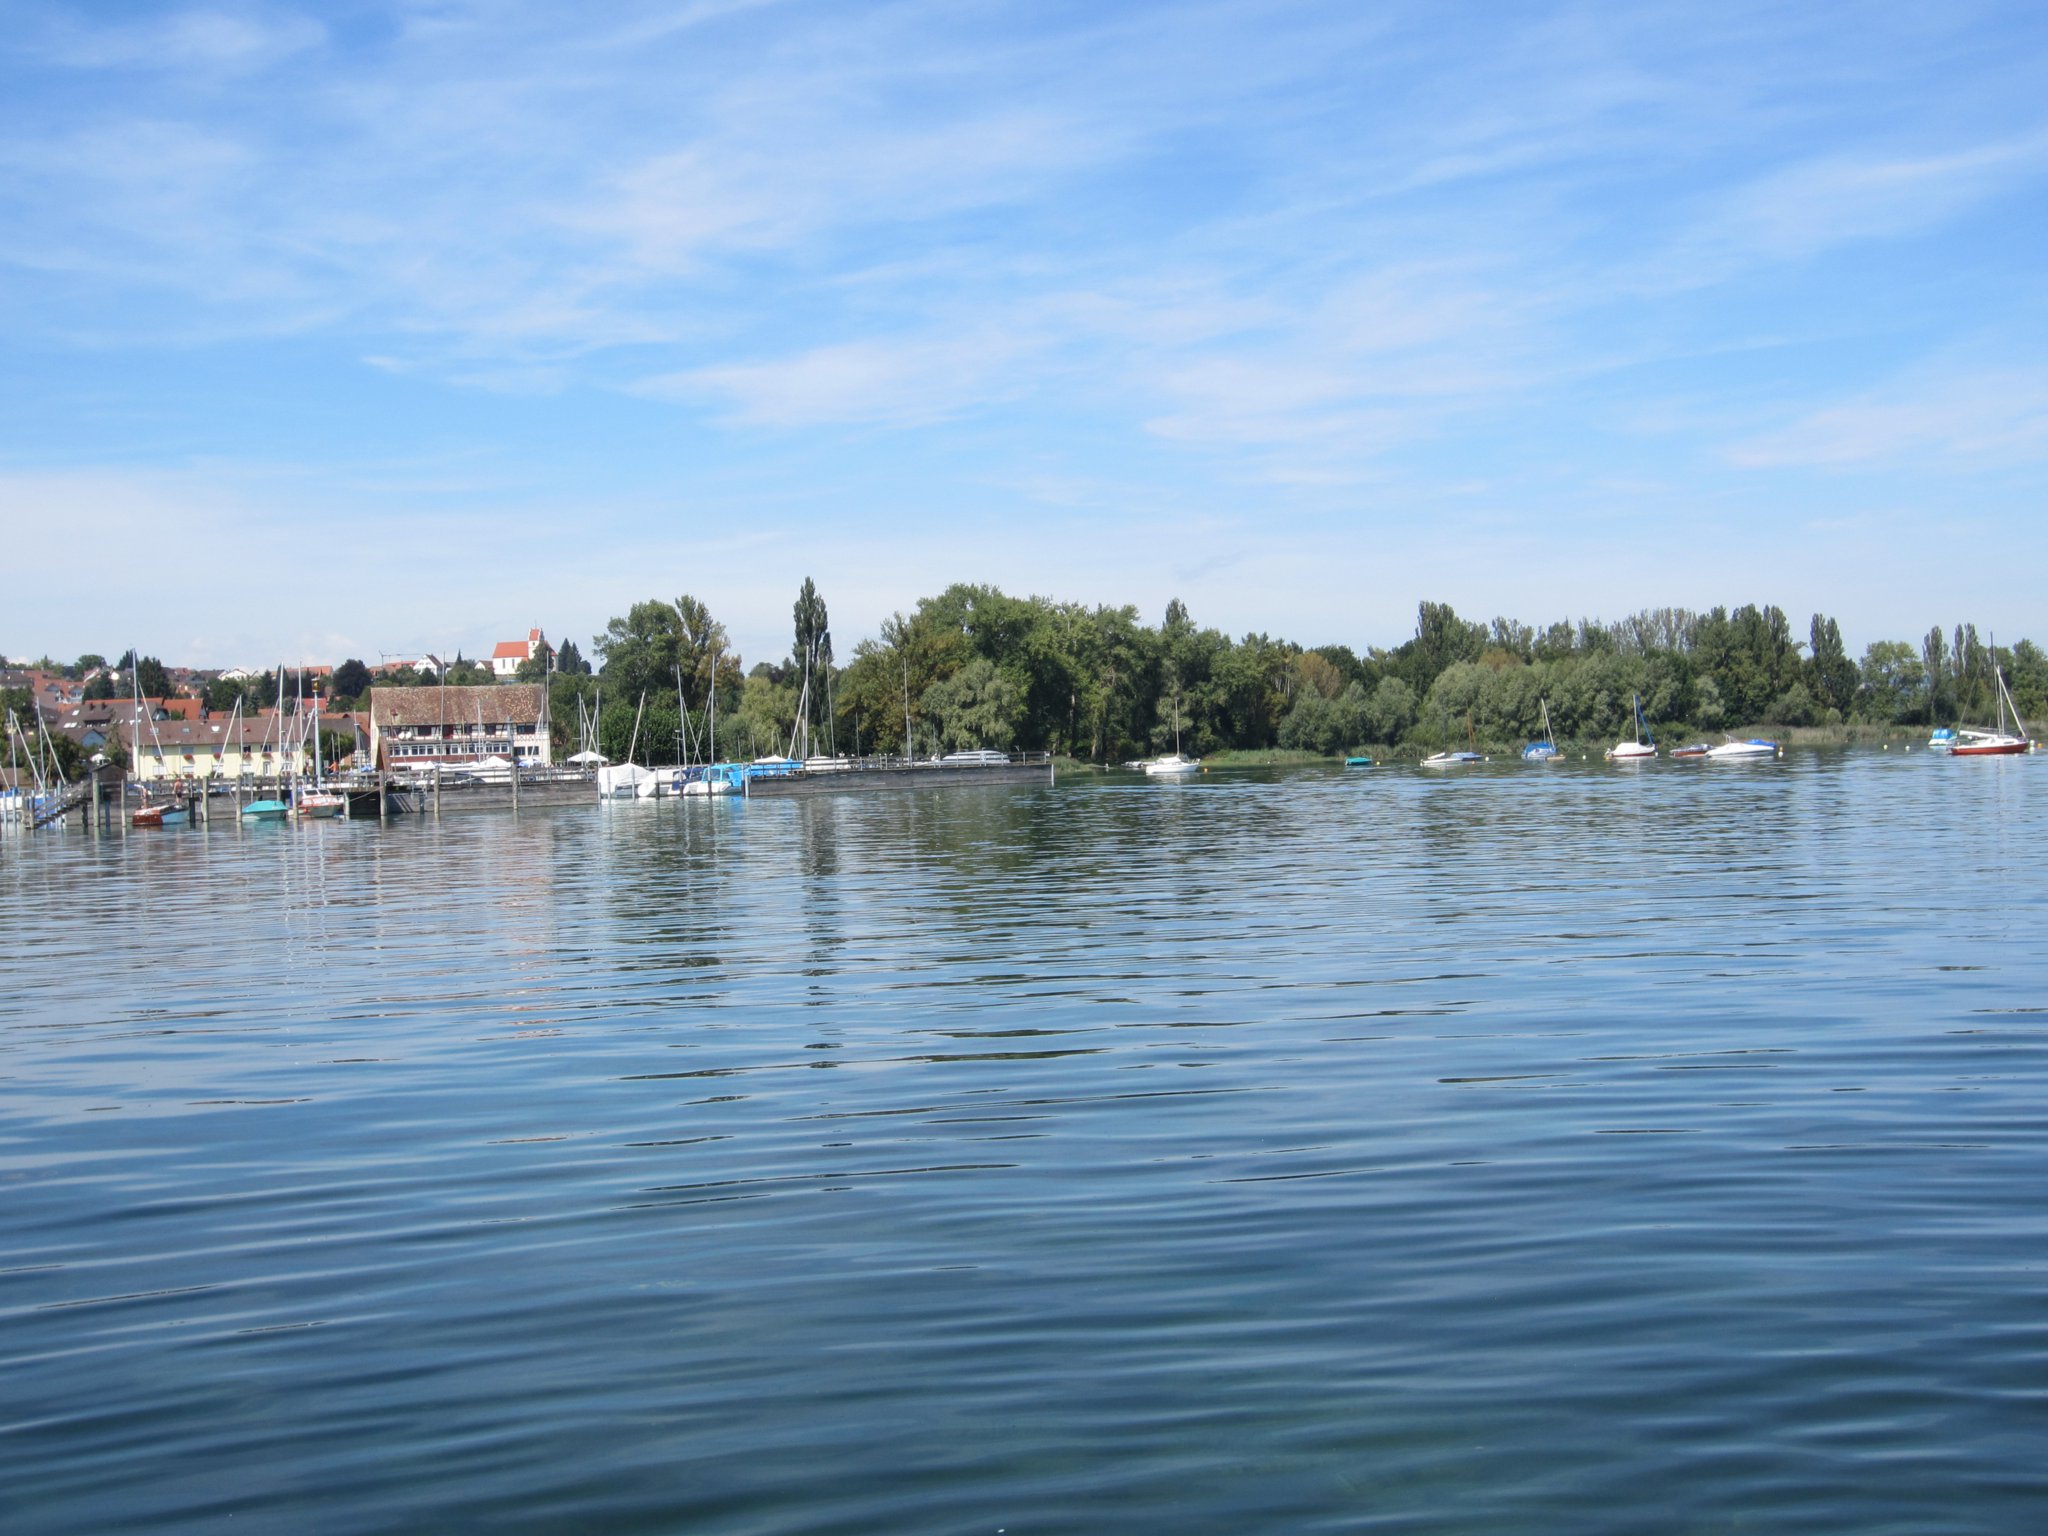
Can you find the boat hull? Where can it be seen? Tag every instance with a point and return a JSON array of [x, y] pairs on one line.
[[1630, 752], [1991, 749]]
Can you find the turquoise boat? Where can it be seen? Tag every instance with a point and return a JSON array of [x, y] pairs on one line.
[[1357, 762], [266, 810]]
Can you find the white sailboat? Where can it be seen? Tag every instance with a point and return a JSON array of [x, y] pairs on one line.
[[317, 803], [1643, 746], [1176, 765]]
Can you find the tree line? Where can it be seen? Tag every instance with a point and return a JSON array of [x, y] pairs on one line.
[[973, 666]]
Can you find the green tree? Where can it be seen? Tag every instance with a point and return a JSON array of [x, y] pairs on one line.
[[152, 680], [643, 651], [351, 680], [765, 719], [569, 661], [1831, 673], [1894, 682], [1389, 711], [1941, 700], [1441, 638], [2027, 679], [539, 663], [100, 687], [977, 706], [811, 660]]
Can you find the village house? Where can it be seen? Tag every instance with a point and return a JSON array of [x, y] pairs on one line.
[[48, 690], [224, 747], [511, 655], [459, 727]]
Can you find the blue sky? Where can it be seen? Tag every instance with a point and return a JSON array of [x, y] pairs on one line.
[[372, 328]]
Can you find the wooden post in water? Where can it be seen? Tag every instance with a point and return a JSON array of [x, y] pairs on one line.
[[95, 812], [515, 768], [437, 791]]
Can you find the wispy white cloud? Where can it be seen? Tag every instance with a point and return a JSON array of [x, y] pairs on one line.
[[897, 382], [1989, 416], [214, 40], [1803, 209]]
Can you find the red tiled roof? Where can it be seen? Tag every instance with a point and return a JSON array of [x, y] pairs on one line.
[[512, 650], [178, 735], [498, 704]]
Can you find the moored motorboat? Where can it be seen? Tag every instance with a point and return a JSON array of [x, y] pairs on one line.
[[318, 805], [1756, 746], [266, 810], [164, 814], [1943, 740], [714, 779], [1358, 762], [1692, 749], [1452, 759], [1171, 765]]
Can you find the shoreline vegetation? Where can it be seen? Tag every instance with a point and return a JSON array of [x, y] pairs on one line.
[[974, 667]]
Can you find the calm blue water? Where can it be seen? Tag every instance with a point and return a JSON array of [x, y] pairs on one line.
[[1562, 1149]]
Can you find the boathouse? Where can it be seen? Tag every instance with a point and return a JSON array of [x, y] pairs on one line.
[[459, 727]]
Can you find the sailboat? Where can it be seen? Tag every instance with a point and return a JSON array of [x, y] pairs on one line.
[[1177, 764], [1643, 746], [717, 778], [1545, 750], [316, 804], [1996, 742], [160, 813], [272, 809]]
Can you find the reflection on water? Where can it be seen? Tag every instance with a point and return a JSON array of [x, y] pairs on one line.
[[1523, 1148]]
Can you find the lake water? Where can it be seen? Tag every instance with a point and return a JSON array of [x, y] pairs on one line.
[[1569, 1149]]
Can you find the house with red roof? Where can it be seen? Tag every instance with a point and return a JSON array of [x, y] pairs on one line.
[[511, 655]]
